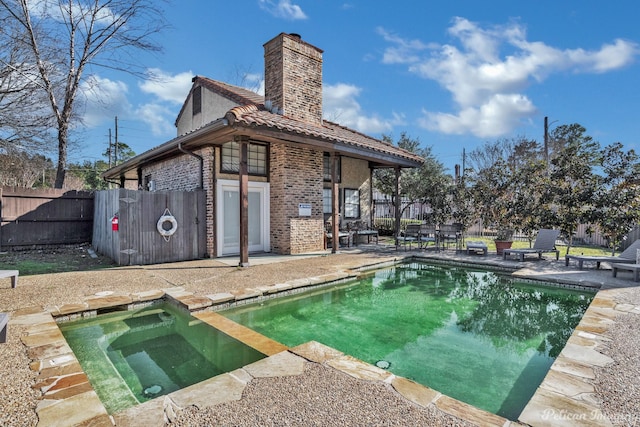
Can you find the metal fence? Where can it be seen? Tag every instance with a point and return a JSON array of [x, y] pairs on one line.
[[384, 214]]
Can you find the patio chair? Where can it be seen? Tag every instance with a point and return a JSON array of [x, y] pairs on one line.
[[428, 234], [451, 233], [360, 228], [409, 236], [344, 237], [628, 256], [545, 242]]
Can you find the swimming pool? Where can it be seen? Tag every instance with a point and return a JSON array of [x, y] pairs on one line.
[[472, 334], [134, 356]]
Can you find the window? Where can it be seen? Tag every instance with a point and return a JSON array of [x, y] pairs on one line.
[[351, 203], [196, 100], [327, 167], [256, 162], [326, 200]]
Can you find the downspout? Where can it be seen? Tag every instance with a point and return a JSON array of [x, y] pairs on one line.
[[197, 157]]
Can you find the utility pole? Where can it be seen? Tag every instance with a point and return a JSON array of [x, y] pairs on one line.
[[115, 151], [546, 141], [109, 149]]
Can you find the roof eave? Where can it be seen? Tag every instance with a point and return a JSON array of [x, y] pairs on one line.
[[376, 156], [164, 149]]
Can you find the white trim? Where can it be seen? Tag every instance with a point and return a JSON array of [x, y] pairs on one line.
[[263, 188]]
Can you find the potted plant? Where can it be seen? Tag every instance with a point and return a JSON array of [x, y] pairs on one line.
[[504, 239]]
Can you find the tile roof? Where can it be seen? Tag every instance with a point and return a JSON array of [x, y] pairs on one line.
[[251, 112], [257, 116], [237, 94]]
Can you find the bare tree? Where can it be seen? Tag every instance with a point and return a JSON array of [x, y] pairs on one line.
[[19, 169], [65, 38], [24, 123]]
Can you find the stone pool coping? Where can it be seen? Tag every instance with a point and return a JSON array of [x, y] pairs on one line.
[[564, 396]]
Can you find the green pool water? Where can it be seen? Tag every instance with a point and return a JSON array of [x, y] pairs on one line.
[[133, 356], [473, 335]]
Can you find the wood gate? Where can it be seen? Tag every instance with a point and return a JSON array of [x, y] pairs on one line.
[[137, 240]]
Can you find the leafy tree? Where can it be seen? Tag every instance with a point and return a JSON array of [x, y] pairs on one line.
[[510, 186], [427, 184], [490, 175], [573, 180], [463, 207], [64, 39], [617, 195], [531, 202], [88, 176], [118, 153]]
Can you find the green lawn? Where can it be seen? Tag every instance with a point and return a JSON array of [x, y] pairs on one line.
[[576, 250], [580, 250]]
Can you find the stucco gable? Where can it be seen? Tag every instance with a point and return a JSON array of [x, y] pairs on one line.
[[217, 98]]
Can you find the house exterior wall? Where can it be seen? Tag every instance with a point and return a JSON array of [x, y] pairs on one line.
[[296, 177], [356, 176], [214, 107]]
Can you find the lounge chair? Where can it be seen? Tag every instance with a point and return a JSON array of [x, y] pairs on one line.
[[545, 242], [13, 274], [628, 256], [4, 322]]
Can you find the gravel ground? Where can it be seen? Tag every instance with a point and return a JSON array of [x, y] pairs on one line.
[[320, 396], [17, 397], [618, 385]]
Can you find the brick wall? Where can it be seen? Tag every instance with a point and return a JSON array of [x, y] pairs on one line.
[[180, 173], [296, 177], [293, 77]]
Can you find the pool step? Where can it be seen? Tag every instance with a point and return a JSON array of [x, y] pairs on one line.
[[243, 334]]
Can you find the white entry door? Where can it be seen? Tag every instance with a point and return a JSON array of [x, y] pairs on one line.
[[228, 214]]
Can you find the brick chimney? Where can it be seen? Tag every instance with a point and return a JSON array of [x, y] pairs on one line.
[[293, 78]]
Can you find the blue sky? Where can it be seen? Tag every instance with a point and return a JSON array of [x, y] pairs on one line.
[[452, 74]]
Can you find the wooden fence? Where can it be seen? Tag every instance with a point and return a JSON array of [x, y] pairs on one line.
[[44, 217], [138, 240]]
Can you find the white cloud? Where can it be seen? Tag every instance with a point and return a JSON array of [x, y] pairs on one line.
[[158, 117], [103, 100], [497, 116], [283, 9], [340, 106], [403, 51], [254, 82], [167, 87], [487, 70]]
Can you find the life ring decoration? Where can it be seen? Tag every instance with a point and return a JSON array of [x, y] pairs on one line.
[[166, 233]]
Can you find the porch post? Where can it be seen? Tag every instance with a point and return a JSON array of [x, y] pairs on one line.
[[335, 205], [398, 203], [371, 203], [243, 184]]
